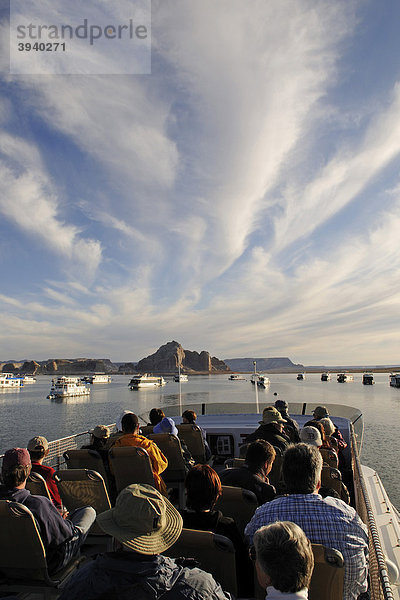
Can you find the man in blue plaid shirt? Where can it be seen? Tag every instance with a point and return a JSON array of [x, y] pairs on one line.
[[328, 521]]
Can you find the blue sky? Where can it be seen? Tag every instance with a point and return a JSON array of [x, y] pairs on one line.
[[244, 198]]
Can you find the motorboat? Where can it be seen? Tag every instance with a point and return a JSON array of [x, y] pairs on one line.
[[9, 380], [368, 379], [28, 379], [97, 378], [181, 377], [236, 377], [65, 387], [394, 380], [146, 381], [325, 376], [263, 381], [344, 377], [301, 376]]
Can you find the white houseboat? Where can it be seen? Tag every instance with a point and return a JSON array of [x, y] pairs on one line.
[[263, 381], [9, 380], [344, 377], [368, 379], [97, 378], [394, 380], [146, 381], [301, 376], [236, 377], [65, 387], [28, 379]]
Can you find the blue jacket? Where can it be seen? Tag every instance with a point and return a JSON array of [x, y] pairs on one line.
[[125, 575]]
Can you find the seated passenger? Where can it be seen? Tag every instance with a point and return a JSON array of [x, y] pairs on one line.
[[328, 521], [311, 435], [284, 561], [38, 448], [119, 433], [61, 538], [329, 429], [130, 437], [156, 415], [253, 475], [270, 430], [167, 425], [99, 440], [189, 418], [291, 427], [145, 524], [321, 412], [203, 488]]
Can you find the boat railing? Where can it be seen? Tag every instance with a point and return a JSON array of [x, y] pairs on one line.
[[378, 573]]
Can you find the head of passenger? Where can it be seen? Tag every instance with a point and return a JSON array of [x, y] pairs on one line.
[[120, 417], [282, 406], [167, 425], [130, 423], [328, 426], [317, 425], [203, 488], [100, 435], [189, 417], [38, 448], [156, 415], [311, 435], [320, 412], [260, 457], [301, 469], [142, 520], [16, 467], [272, 416], [284, 557]]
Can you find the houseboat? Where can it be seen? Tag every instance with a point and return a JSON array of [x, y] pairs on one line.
[[368, 379], [394, 380], [66, 387], [236, 377], [301, 376], [97, 378], [9, 380], [325, 376], [146, 381], [344, 377]]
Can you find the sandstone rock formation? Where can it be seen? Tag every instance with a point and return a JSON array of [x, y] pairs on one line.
[[171, 355]]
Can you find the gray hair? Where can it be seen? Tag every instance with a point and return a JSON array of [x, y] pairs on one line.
[[301, 468], [327, 425], [285, 555]]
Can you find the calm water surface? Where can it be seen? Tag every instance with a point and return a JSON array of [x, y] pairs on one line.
[[27, 412]]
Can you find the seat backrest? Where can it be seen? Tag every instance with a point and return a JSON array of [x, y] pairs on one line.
[[37, 485], [22, 554], [237, 503], [130, 465], [214, 552], [83, 487], [234, 463], [170, 446], [192, 436], [329, 457], [328, 575], [275, 475], [332, 478], [86, 459], [146, 429]]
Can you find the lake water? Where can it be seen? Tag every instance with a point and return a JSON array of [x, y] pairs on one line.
[[27, 412]]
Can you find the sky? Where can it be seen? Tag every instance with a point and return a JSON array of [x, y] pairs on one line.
[[243, 198]]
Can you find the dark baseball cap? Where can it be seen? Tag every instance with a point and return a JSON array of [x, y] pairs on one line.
[[15, 457], [281, 404]]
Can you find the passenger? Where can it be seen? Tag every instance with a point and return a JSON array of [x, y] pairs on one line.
[[329, 429], [167, 425], [284, 561], [61, 538], [99, 440], [156, 415], [145, 524], [321, 412], [291, 427], [38, 448], [311, 435], [189, 418], [253, 475], [203, 488], [271, 430], [328, 521], [130, 437], [119, 433], [317, 425]]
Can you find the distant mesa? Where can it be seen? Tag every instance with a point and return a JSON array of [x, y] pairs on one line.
[[170, 356], [60, 366], [246, 365]]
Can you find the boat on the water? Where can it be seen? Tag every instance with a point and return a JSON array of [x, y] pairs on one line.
[[236, 377], [263, 381], [146, 381], [9, 380], [97, 378], [28, 379], [368, 379], [344, 377], [325, 376], [394, 380], [301, 376], [66, 387], [180, 377]]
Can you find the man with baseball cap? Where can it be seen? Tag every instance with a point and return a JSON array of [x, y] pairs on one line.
[[61, 538], [145, 524], [291, 426], [38, 448], [271, 430]]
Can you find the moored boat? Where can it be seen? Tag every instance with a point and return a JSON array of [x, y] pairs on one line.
[[263, 381], [65, 387], [236, 377], [325, 376], [181, 377], [301, 376], [394, 380], [368, 379], [146, 381], [344, 377], [9, 380], [97, 378], [28, 379]]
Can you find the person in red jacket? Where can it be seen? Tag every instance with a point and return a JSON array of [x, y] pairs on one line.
[[38, 448]]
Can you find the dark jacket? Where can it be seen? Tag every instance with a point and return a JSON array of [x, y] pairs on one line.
[[126, 575], [291, 428], [244, 478], [54, 530], [47, 474], [270, 434]]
